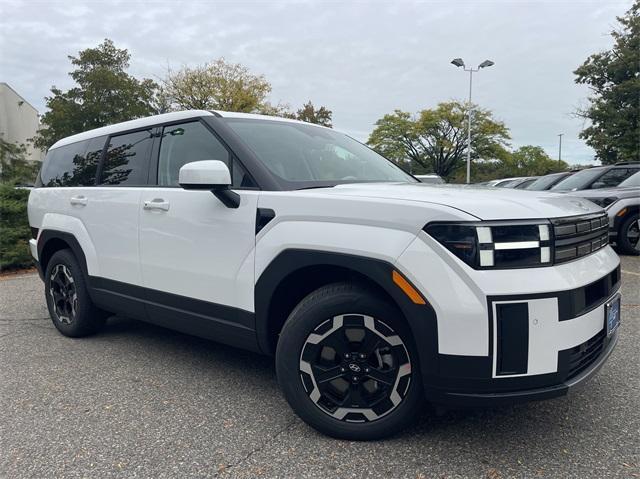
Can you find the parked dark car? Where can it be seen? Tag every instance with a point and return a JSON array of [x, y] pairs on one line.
[[598, 177], [546, 182], [522, 183]]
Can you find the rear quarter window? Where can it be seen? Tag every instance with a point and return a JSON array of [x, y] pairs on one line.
[[72, 165]]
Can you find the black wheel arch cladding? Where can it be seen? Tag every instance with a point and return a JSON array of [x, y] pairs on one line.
[[421, 319]]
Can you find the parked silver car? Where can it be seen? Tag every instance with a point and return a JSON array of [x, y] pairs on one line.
[[622, 204]]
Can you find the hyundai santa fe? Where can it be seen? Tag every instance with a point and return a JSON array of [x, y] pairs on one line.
[[374, 292]]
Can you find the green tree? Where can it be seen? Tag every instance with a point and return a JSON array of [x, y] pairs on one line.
[[436, 139], [14, 166], [218, 85], [530, 160], [614, 107], [14, 225], [105, 94], [311, 114]]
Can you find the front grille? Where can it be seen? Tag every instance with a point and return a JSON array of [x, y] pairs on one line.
[[579, 236], [585, 354]]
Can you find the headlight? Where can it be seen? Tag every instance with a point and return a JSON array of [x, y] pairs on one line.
[[496, 245], [604, 202], [522, 244]]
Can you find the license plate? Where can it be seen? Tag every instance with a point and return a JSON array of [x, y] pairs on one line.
[[612, 314]]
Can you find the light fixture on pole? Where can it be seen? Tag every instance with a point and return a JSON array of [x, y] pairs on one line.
[[460, 64]]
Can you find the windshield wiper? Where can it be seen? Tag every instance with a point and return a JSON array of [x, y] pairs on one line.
[[315, 187]]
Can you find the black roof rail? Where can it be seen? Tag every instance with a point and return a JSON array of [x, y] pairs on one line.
[[627, 163]]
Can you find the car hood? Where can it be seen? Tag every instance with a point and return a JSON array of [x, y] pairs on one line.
[[482, 202]]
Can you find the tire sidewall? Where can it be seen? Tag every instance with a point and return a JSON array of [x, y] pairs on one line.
[[313, 311], [623, 242], [86, 320]]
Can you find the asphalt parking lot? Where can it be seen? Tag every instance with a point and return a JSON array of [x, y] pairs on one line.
[[141, 401]]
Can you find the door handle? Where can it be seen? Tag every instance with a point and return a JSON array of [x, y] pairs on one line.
[[156, 204], [78, 200]]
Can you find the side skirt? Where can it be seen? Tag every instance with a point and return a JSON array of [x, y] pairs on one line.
[[220, 323]]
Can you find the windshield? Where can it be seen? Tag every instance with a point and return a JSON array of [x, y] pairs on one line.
[[304, 156], [579, 180], [633, 180], [504, 184], [523, 185], [545, 182]]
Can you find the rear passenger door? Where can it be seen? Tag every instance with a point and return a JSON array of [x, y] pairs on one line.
[[196, 254], [112, 206]]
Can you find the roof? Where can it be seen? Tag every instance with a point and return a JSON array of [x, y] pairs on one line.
[[22, 99], [164, 118], [131, 125], [255, 116]]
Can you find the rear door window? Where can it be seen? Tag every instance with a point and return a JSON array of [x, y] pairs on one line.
[[127, 159], [613, 178]]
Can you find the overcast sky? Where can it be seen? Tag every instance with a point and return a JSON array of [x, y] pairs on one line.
[[360, 59]]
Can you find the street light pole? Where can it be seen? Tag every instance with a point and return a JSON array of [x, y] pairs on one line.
[[469, 128], [459, 63], [560, 147]]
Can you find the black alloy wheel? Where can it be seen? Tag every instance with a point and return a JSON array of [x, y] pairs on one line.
[[64, 297], [70, 306], [355, 368]]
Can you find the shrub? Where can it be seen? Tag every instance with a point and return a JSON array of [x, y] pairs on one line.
[[14, 228]]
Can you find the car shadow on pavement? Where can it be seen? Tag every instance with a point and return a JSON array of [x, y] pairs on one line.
[[185, 351]]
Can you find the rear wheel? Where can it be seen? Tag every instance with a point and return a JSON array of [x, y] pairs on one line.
[[70, 306], [629, 235], [347, 365]]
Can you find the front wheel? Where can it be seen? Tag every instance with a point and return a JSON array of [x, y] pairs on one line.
[[629, 235], [347, 365]]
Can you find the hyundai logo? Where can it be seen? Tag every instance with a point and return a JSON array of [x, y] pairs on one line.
[[354, 367]]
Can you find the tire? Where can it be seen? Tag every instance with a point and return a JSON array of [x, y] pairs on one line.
[[349, 404], [70, 306], [628, 233]]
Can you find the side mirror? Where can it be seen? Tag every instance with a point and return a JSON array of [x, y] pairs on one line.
[[211, 175]]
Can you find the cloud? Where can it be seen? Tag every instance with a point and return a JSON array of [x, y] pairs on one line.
[[360, 59]]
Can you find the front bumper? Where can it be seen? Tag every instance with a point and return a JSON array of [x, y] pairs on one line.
[[469, 398], [508, 336], [33, 248]]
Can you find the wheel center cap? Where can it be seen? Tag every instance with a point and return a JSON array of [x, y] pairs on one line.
[[355, 367]]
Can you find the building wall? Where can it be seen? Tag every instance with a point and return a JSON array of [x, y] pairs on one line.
[[18, 121]]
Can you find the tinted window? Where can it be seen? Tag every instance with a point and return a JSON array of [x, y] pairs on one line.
[[579, 180], [613, 178], [60, 163], [504, 184], [546, 182], [85, 169], [524, 184], [633, 180], [183, 144], [126, 161]]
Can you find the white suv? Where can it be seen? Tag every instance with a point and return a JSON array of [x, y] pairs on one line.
[[372, 290]]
